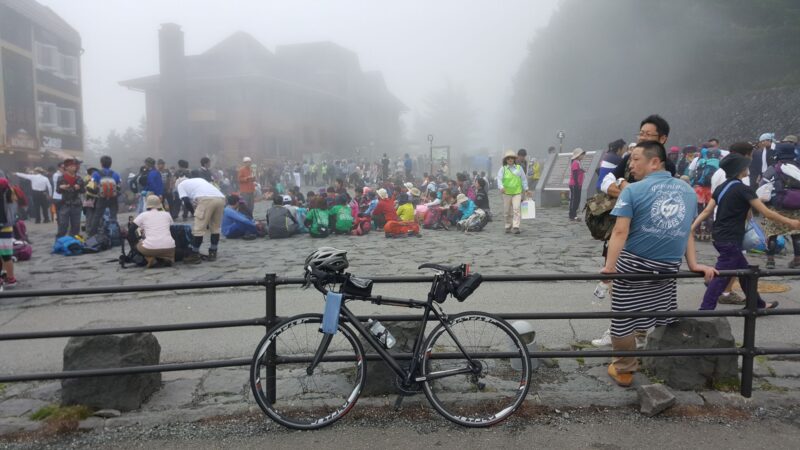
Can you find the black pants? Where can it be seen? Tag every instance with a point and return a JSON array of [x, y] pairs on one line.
[[41, 207], [99, 210], [574, 201]]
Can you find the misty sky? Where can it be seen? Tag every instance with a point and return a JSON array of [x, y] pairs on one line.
[[417, 45]]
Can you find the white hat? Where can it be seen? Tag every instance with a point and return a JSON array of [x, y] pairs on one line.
[[246, 159], [408, 185], [461, 198], [577, 153], [382, 193]]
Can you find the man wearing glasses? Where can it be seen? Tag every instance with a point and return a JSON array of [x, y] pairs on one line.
[[652, 234]]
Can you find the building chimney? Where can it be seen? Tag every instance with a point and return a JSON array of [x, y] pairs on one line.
[[173, 143]]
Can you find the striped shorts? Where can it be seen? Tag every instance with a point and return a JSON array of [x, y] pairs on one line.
[[642, 295]]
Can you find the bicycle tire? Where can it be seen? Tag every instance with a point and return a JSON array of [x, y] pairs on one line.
[[306, 402], [487, 398]]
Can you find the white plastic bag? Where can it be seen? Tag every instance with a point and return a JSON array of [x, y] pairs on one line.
[[764, 192], [791, 170], [528, 209]]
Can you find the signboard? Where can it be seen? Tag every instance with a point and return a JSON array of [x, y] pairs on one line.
[[558, 177]]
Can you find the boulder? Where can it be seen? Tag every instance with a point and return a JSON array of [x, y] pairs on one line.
[[692, 372], [380, 378], [120, 392], [654, 398]]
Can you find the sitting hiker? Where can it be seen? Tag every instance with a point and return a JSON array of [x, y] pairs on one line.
[[281, 223], [415, 196], [384, 211], [236, 225], [317, 219], [481, 196], [8, 213], [157, 245], [405, 210], [370, 203], [341, 216], [465, 206]]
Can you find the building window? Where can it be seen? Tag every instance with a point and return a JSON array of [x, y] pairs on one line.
[[53, 118], [69, 68], [66, 120], [48, 114], [47, 57]]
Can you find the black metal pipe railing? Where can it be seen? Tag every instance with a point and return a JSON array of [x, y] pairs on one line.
[[748, 351]]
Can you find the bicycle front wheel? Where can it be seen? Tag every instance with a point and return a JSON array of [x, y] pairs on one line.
[[303, 401], [494, 387]]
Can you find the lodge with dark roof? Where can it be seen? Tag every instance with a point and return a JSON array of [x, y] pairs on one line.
[[240, 99], [41, 112]]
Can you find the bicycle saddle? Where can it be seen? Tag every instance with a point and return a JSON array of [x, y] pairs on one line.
[[441, 267]]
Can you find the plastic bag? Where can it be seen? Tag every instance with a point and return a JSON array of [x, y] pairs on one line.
[[754, 239], [764, 192], [528, 209]]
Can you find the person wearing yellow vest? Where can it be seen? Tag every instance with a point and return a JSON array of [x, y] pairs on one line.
[[512, 182], [536, 170]]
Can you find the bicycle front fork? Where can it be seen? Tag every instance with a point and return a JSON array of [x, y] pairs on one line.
[[323, 347]]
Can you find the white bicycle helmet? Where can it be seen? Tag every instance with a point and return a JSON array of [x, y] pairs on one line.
[[328, 259]]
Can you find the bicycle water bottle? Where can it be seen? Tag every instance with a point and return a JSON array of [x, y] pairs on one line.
[[383, 335]]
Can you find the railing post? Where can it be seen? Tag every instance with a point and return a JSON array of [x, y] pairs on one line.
[[751, 295], [271, 319]]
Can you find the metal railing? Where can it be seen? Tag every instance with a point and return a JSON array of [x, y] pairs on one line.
[[748, 350]]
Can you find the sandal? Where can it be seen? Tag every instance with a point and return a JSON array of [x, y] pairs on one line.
[[771, 305]]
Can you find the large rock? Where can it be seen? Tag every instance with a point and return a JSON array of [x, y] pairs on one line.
[[380, 378], [122, 392], [693, 372]]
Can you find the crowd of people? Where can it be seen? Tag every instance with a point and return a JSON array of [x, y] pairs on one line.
[[661, 201]]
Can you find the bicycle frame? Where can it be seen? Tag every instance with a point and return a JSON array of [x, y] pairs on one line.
[[405, 374]]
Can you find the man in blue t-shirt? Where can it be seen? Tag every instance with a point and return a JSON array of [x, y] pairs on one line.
[[651, 235]]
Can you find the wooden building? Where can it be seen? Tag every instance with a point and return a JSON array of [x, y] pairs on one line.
[[41, 112], [241, 99]]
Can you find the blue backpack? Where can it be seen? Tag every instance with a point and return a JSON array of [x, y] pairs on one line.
[[112, 230], [705, 171], [67, 246]]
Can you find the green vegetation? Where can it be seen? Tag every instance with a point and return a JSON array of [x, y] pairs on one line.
[[767, 386], [728, 385], [3, 387], [62, 413]]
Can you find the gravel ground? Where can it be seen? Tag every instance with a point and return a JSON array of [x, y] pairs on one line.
[[418, 424]]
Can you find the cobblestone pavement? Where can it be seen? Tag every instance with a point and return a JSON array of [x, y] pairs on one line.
[[548, 244]]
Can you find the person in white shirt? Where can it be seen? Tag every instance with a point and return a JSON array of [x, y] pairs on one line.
[[157, 245], [42, 189], [208, 211]]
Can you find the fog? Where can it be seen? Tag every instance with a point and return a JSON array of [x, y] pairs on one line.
[[418, 46]]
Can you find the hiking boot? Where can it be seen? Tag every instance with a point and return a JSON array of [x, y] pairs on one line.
[[9, 283], [508, 230], [731, 299], [192, 258], [622, 379], [604, 341], [212, 255], [516, 231]]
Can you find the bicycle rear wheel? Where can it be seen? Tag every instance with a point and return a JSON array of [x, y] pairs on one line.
[[305, 401], [495, 388]]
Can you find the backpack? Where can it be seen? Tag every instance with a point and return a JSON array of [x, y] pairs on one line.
[[319, 220], [474, 222], [133, 184], [182, 235], [21, 231], [68, 246], [108, 188], [362, 226], [22, 250], [112, 230], [432, 219], [705, 171], [344, 220], [598, 216], [786, 194], [132, 257], [97, 243]]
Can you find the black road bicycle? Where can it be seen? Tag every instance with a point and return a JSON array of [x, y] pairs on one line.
[[473, 367]]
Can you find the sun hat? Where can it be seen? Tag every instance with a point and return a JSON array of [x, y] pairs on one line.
[[408, 185], [767, 137], [461, 198], [153, 202], [790, 138], [287, 199], [509, 154], [415, 192], [382, 193], [576, 153], [246, 159]]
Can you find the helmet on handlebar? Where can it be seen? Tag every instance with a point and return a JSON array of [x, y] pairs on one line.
[[328, 259]]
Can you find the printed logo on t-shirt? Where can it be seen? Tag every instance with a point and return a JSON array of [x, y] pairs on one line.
[[668, 210]]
